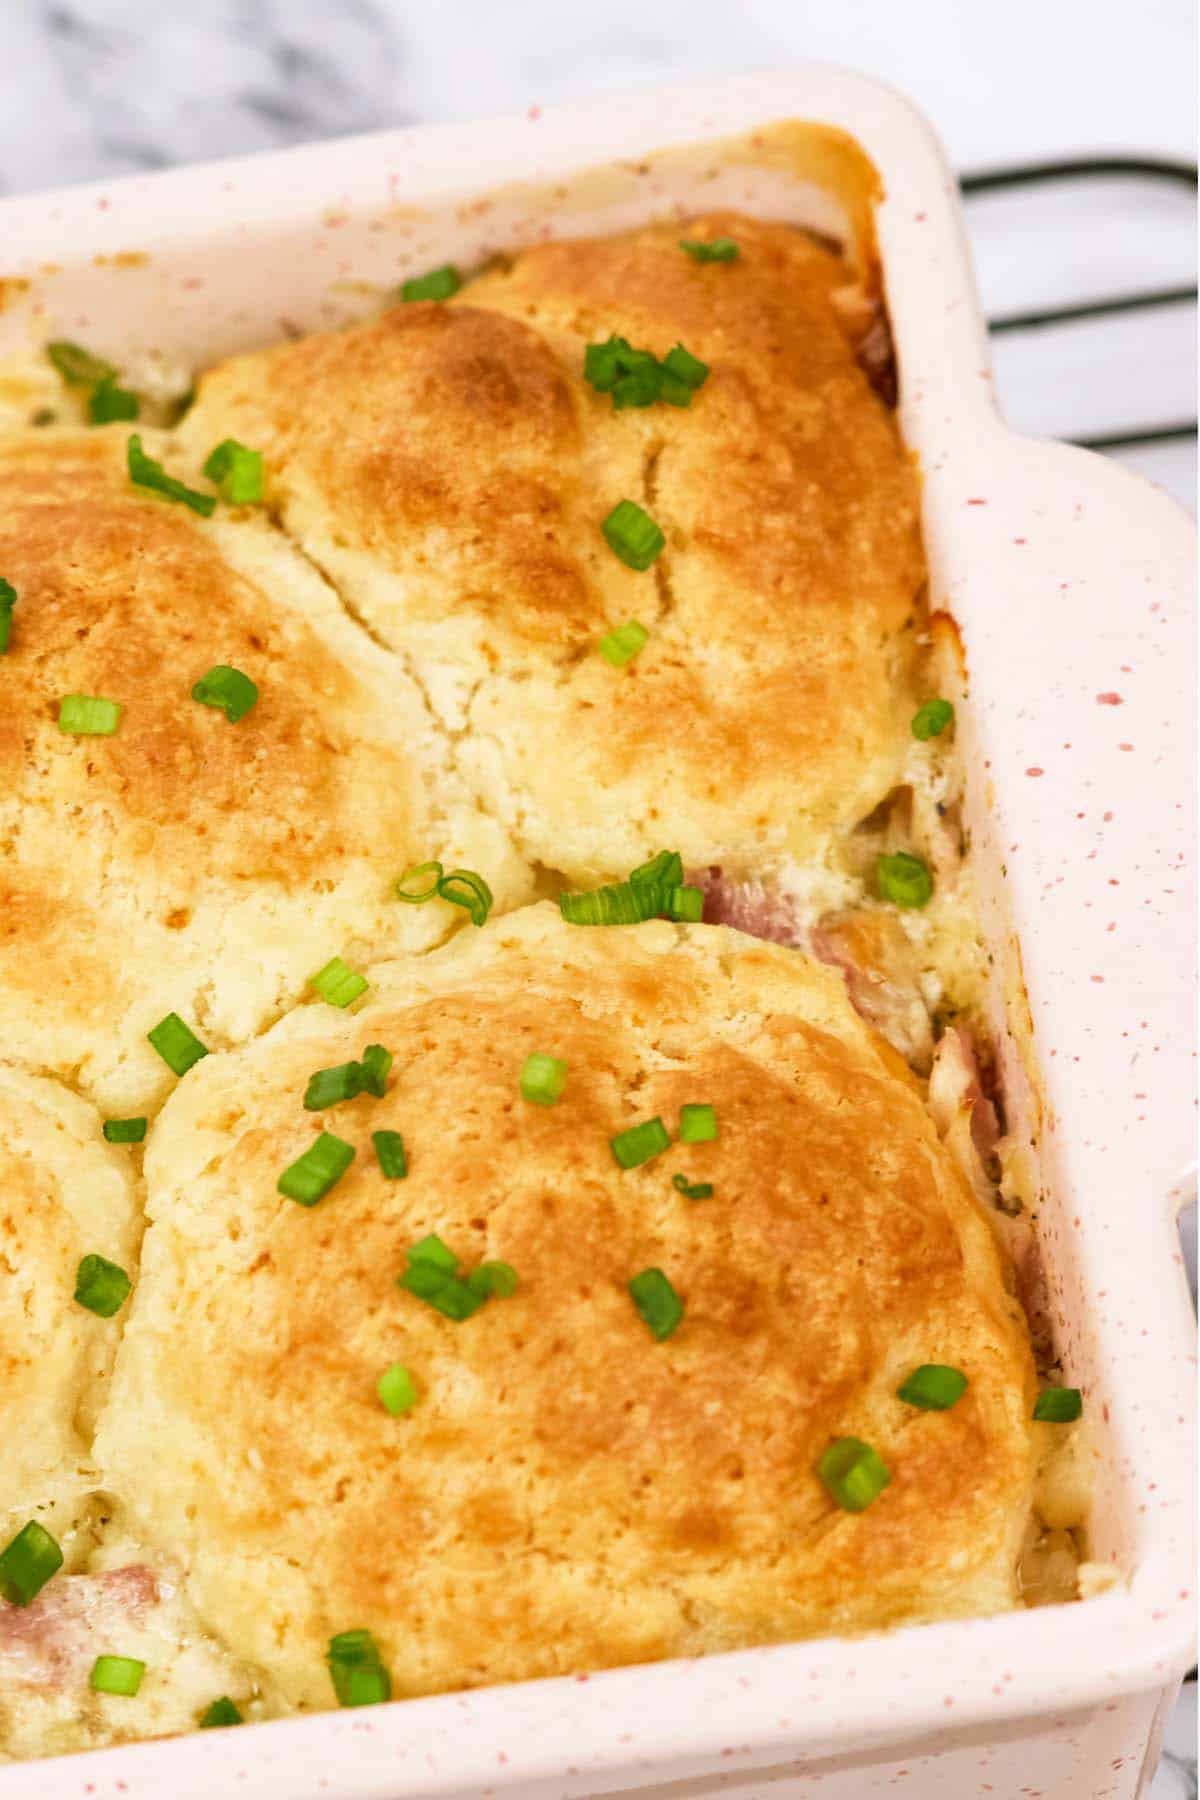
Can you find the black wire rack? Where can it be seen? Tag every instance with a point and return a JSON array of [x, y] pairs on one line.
[[1156, 170]]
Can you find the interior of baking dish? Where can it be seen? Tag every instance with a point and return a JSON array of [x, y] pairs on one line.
[[173, 288]]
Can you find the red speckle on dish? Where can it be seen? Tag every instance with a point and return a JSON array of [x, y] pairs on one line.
[[534, 114], [1097, 978], [920, 217], [1109, 700], [1035, 771], [1107, 817], [102, 205], [976, 502], [1020, 540], [1124, 746]]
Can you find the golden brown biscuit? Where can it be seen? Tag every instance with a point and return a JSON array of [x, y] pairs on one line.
[[64, 1194], [188, 864], [568, 1492], [449, 468]]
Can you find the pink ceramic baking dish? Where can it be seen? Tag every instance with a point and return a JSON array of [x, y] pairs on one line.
[[1071, 583]]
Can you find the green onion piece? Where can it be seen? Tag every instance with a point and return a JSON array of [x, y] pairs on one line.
[[124, 1131], [663, 870], [621, 904], [221, 1712], [329, 1087], [338, 983], [1058, 1405], [146, 472], [697, 1124], [373, 1069], [8, 599], [543, 1079], [425, 889], [853, 1473], [932, 719], [641, 1142], [432, 1250], [227, 689], [642, 387], [447, 1294], [903, 879], [108, 402], [101, 1286], [311, 1176], [389, 1150], [933, 1387], [116, 1675], [685, 367], [657, 1302], [686, 903], [462, 887], [87, 715], [500, 1277], [236, 472], [632, 535], [425, 1280], [397, 1390], [179, 1047], [77, 366], [622, 644], [27, 1562], [356, 1670], [692, 1190], [674, 391], [602, 364], [717, 250], [439, 284]]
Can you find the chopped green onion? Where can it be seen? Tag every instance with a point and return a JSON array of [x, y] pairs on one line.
[[8, 599], [716, 250], [397, 1390], [77, 366], [640, 1143], [146, 472], [221, 1712], [932, 719], [853, 1473], [27, 1562], [432, 1250], [1058, 1405], [632, 535], [124, 1131], [439, 284], [109, 402], [356, 1669], [640, 388], [697, 1124], [686, 368], [693, 1190], [227, 689], [425, 889], [116, 1675], [373, 1069], [663, 870], [87, 715], [686, 903], [620, 645], [101, 1286], [657, 1302], [622, 904], [236, 472], [311, 1176], [179, 1047], [462, 887], [500, 1279], [329, 1087], [543, 1079], [338, 983], [933, 1387], [903, 879], [389, 1150]]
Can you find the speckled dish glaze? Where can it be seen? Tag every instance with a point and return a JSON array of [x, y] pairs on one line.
[[1071, 583]]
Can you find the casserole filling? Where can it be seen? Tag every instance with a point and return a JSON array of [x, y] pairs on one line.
[[659, 1259]]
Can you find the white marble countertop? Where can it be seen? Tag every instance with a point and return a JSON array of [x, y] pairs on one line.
[[102, 87]]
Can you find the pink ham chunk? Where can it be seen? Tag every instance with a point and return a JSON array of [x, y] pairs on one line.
[[51, 1643]]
